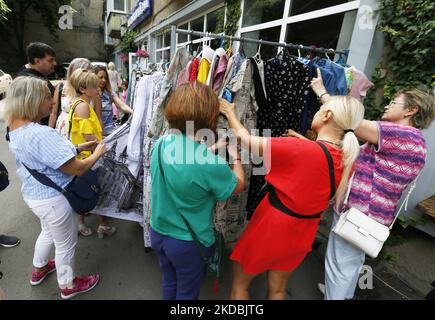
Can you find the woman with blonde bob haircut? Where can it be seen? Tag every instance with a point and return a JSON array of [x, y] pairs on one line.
[[83, 125], [302, 178], [64, 95], [187, 181], [41, 148]]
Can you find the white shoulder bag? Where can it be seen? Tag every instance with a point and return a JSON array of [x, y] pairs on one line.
[[364, 232]]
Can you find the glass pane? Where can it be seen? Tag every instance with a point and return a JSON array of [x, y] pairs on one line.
[[166, 55], [159, 41], [159, 56], [267, 51], [328, 32], [167, 41], [183, 37], [303, 6], [119, 5], [215, 21], [197, 25], [259, 11]]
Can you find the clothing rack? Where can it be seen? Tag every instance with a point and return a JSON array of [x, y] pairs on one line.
[[174, 32]]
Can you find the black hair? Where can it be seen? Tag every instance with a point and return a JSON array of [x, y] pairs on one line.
[[38, 50]]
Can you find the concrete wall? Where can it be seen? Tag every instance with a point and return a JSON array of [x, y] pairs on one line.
[[162, 9], [84, 40]]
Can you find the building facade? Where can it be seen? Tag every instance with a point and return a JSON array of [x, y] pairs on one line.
[[83, 38], [337, 24]]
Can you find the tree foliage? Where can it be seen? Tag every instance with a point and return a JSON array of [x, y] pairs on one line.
[[4, 10], [19, 15]]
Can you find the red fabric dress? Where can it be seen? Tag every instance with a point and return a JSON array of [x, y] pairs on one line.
[[273, 240]]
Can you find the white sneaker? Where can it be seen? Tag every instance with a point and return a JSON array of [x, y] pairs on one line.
[[321, 288]]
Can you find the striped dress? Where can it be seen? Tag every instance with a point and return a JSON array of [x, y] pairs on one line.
[[384, 171]]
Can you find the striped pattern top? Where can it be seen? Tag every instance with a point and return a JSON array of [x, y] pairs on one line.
[[384, 171], [43, 149]]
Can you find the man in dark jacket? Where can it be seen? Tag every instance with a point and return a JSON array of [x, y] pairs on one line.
[[41, 63]]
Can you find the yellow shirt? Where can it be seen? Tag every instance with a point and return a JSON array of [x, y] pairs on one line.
[[203, 71], [80, 127]]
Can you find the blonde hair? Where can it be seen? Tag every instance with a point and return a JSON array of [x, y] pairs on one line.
[[424, 101], [82, 79], [23, 99], [111, 66], [77, 63], [348, 113]]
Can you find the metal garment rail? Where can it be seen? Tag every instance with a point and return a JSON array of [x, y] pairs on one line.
[[174, 32]]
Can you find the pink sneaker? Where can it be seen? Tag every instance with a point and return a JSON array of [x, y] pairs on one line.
[[81, 285], [38, 277]]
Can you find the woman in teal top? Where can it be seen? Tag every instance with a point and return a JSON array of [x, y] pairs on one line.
[[193, 180]]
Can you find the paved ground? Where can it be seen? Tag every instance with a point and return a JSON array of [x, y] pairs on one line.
[[127, 271]]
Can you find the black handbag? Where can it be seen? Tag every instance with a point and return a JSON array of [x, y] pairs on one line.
[[214, 261], [82, 192], [4, 177]]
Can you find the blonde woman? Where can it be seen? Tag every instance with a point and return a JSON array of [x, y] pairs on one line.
[[114, 77], [83, 125], [394, 155], [302, 176], [65, 94], [41, 148]]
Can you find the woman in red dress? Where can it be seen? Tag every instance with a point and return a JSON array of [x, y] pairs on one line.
[[302, 178]]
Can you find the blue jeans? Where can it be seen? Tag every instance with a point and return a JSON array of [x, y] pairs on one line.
[[182, 266]]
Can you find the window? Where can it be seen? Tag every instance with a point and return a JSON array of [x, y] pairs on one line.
[[332, 31], [182, 38], [266, 51], [303, 6], [213, 21], [163, 47], [260, 11], [119, 5]]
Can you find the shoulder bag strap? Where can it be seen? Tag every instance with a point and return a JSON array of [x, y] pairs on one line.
[[192, 233], [331, 169], [405, 201], [41, 178]]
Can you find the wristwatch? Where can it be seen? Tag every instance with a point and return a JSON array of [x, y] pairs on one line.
[[77, 148]]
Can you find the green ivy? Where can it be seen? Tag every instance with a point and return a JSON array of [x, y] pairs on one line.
[[409, 28], [233, 15], [127, 43]]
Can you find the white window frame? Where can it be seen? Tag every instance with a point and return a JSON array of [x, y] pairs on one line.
[[288, 19], [204, 15], [165, 46], [112, 7]]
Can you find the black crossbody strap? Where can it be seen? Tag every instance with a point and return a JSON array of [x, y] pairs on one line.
[[41, 178], [331, 169], [192, 233]]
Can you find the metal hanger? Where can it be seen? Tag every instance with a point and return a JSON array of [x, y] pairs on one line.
[[257, 56]]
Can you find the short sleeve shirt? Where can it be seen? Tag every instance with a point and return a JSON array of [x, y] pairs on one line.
[[384, 171], [43, 149], [195, 179], [298, 170]]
